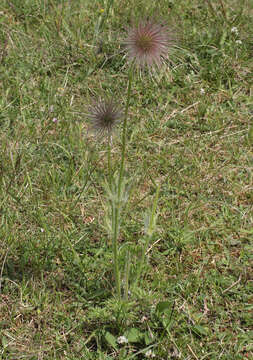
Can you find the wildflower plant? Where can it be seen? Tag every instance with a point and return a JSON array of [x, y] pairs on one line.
[[147, 45]]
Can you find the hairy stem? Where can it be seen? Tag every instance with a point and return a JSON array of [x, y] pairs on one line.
[[123, 151], [109, 141], [116, 225]]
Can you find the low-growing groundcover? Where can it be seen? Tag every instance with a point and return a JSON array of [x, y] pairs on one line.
[[189, 134]]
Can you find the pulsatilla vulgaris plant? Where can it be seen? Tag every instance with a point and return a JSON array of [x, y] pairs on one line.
[[147, 45]]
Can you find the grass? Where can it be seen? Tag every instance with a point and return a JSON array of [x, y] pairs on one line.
[[188, 132]]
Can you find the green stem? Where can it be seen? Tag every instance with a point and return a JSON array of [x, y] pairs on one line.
[[123, 152], [115, 217], [127, 269], [109, 160], [115, 224]]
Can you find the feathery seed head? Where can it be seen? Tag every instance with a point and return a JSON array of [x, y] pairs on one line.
[[104, 115], [148, 44]]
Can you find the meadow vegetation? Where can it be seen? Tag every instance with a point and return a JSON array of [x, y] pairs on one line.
[[188, 159]]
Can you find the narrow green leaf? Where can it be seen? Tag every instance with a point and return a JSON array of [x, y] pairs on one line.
[[4, 342], [162, 306], [250, 135], [111, 340], [148, 338], [134, 335], [200, 330]]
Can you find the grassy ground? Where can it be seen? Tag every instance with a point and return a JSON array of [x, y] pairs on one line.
[[188, 131]]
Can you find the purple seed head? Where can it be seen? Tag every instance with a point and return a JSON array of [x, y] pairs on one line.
[[148, 44], [104, 115]]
